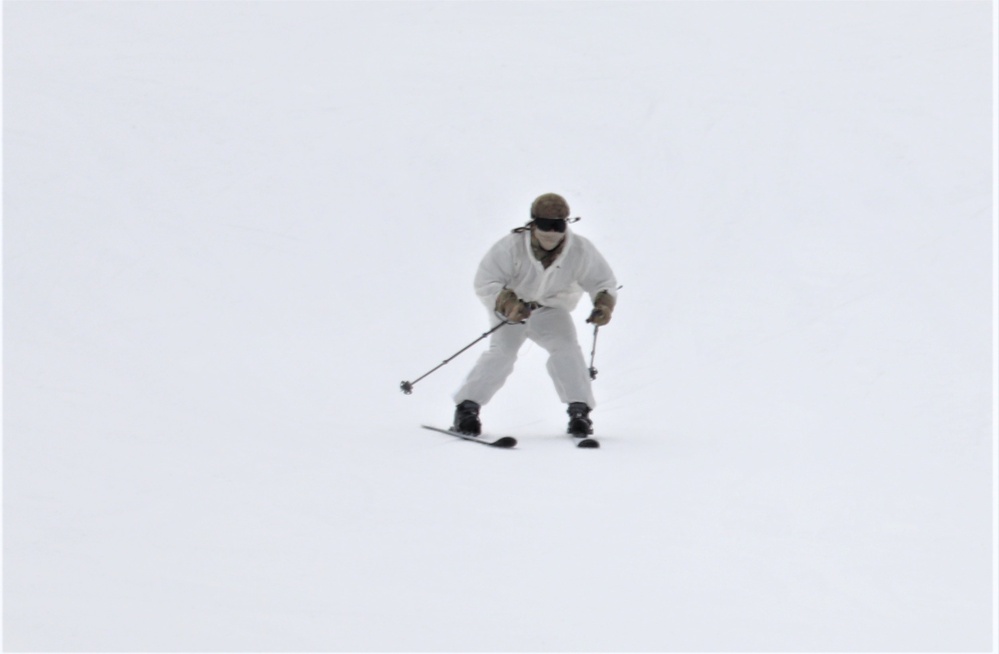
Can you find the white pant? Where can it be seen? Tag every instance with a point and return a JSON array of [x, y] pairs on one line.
[[550, 328]]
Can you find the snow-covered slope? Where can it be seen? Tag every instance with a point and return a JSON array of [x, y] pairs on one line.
[[231, 230]]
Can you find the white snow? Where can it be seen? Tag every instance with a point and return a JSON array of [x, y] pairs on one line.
[[231, 230]]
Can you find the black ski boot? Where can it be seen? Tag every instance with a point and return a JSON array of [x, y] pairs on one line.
[[580, 424], [466, 418]]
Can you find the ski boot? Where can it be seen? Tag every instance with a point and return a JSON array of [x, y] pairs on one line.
[[580, 425], [466, 418]]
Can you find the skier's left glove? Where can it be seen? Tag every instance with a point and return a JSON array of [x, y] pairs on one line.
[[603, 307]]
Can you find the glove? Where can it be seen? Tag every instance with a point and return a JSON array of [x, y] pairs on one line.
[[511, 306], [603, 307]]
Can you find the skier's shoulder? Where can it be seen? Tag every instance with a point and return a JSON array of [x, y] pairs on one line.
[[509, 242], [503, 251], [583, 244]]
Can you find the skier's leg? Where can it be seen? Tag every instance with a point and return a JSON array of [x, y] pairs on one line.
[[494, 365], [553, 330]]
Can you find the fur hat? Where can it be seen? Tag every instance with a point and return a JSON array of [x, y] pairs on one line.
[[551, 206]]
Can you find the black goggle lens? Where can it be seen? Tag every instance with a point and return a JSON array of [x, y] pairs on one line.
[[550, 224]]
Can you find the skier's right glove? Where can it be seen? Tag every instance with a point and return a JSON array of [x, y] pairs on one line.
[[512, 307]]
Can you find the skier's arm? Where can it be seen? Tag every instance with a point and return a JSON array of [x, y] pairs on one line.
[[597, 276], [599, 281], [494, 274]]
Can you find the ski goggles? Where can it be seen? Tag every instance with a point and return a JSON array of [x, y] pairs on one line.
[[550, 224]]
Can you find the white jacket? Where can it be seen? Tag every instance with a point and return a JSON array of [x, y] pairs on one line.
[[511, 264]]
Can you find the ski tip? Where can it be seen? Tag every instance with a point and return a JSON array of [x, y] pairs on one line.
[[506, 441], [588, 443]]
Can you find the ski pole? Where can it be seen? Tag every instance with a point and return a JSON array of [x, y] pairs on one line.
[[407, 387], [593, 352]]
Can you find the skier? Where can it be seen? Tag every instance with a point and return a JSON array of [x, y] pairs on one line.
[[533, 278]]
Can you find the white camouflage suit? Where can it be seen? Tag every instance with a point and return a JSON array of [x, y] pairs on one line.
[[511, 264]]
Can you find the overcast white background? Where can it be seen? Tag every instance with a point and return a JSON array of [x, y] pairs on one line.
[[231, 230]]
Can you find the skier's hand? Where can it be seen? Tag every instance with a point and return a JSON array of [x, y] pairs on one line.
[[599, 316], [519, 312], [512, 307], [603, 307]]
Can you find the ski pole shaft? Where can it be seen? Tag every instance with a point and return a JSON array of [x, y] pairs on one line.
[[593, 352], [407, 386]]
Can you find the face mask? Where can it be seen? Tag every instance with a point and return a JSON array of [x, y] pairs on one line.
[[548, 240]]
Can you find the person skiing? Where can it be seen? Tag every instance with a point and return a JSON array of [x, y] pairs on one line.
[[532, 279]]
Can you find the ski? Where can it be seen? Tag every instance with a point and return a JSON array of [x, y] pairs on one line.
[[586, 442], [502, 441]]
